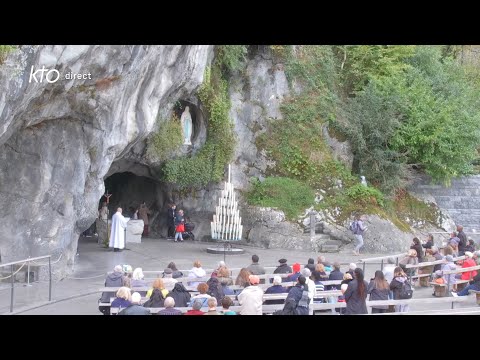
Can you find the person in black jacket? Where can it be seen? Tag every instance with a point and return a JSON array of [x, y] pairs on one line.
[[418, 248], [171, 221], [180, 295], [429, 243], [356, 294], [463, 240], [299, 293], [378, 290], [283, 268]]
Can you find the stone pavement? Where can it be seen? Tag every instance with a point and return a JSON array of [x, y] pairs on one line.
[[77, 294]]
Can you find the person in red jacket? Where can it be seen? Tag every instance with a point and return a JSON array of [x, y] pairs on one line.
[[468, 262]]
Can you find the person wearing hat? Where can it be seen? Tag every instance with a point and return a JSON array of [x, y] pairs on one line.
[[433, 251], [449, 266], [168, 279], [468, 262], [283, 268], [295, 273], [251, 298]]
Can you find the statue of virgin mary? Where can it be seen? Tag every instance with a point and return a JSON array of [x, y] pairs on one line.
[[186, 121]]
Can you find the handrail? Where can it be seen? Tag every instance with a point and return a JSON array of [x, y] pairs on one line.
[[26, 260], [28, 274]]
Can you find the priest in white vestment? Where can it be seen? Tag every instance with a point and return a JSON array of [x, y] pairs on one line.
[[117, 234]]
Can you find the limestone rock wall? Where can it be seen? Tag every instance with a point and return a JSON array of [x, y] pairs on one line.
[[58, 140]]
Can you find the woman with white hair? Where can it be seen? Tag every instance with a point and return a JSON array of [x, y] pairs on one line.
[[123, 299], [277, 288], [137, 280]]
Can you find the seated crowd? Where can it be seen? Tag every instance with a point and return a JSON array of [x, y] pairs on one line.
[[248, 289]]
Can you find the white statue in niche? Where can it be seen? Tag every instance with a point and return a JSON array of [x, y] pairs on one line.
[[363, 181], [187, 126]]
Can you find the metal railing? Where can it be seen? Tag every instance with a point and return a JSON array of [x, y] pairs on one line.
[[27, 261]]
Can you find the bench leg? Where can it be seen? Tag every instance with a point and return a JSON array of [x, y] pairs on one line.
[[478, 298]]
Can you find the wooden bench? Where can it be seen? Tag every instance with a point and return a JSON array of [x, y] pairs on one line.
[[459, 271], [270, 309], [423, 276], [477, 294], [440, 290]]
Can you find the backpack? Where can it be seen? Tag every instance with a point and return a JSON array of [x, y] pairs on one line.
[[354, 227], [406, 291]]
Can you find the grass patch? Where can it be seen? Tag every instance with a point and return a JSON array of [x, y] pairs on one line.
[[289, 195]]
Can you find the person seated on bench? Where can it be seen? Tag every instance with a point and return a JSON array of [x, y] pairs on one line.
[[409, 259], [197, 305], [202, 296], [251, 298], [212, 307], [169, 308], [429, 242], [156, 300], [438, 277], [290, 308], [468, 262], [158, 284], [320, 273], [242, 278], [114, 279], [450, 266], [351, 269], [180, 295], [296, 272], [123, 299], [135, 308], [277, 288], [378, 289], [433, 251], [221, 264], [137, 280], [474, 285], [399, 277], [223, 276], [470, 245], [476, 257], [299, 293], [418, 248], [283, 268], [356, 295], [226, 303], [168, 279], [336, 274], [196, 272], [311, 264], [176, 273]]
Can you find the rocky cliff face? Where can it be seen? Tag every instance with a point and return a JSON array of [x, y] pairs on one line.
[[58, 139]]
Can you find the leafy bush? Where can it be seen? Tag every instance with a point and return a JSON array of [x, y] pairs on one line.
[[209, 164], [365, 194], [166, 140], [289, 195], [230, 57]]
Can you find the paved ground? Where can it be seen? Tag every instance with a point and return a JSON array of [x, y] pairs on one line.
[[78, 294]]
